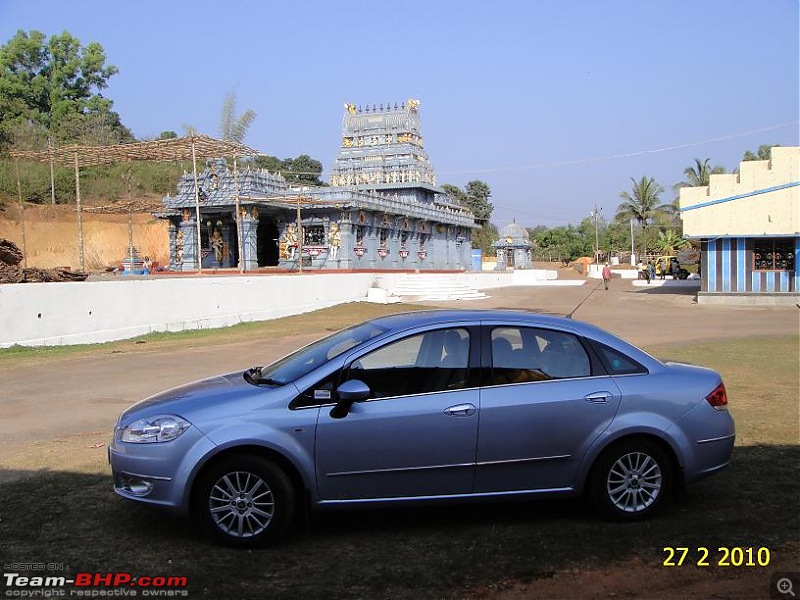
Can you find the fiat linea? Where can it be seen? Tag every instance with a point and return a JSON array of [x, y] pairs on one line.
[[432, 406]]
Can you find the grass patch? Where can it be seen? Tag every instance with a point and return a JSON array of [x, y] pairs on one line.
[[762, 378], [441, 552]]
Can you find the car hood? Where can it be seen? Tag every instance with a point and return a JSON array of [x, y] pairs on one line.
[[196, 396]]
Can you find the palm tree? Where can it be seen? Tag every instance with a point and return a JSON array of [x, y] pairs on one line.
[[699, 174], [764, 152], [643, 204], [669, 241], [233, 128]]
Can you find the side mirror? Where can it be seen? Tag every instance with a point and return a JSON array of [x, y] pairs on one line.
[[350, 391]]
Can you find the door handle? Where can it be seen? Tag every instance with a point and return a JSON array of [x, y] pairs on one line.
[[460, 410], [598, 397]]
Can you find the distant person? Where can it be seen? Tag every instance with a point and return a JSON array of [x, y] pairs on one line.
[[606, 275], [147, 266], [651, 271], [640, 270], [675, 267], [660, 269]]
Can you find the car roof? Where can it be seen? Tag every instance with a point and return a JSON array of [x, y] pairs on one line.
[[407, 320]]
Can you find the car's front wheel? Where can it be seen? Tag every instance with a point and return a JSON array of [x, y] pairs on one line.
[[245, 501], [631, 480]]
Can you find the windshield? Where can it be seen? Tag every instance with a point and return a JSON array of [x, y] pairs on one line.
[[308, 358]]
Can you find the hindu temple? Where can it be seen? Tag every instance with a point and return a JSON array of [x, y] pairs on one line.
[[382, 209]]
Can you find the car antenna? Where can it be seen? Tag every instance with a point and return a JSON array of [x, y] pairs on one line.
[[569, 315]]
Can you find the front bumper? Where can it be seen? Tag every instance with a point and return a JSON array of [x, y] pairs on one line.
[[158, 474]]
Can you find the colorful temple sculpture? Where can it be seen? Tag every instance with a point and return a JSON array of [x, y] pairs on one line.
[[382, 209], [513, 248]]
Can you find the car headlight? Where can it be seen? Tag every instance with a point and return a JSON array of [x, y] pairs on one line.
[[161, 428]]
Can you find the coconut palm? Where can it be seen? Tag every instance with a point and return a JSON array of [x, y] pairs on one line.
[[642, 204], [233, 128], [764, 152], [699, 174]]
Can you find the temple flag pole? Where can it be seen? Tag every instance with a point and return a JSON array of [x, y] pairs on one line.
[[239, 238], [80, 213], [22, 218], [196, 207]]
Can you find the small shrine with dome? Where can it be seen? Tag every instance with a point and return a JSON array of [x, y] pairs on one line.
[[513, 248]]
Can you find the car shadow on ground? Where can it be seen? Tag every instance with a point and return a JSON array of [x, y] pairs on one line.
[[434, 551]]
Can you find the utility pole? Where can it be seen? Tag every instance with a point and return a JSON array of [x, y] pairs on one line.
[[52, 171], [596, 215], [633, 260]]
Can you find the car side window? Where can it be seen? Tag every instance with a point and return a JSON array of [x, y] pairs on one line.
[[429, 362], [521, 354], [616, 362]]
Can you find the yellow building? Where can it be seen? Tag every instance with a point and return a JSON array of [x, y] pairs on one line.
[[748, 226]]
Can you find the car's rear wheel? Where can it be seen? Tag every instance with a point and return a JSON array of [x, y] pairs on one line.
[[245, 501], [631, 480]]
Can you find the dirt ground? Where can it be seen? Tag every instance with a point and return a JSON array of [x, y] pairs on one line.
[[49, 235], [57, 413]]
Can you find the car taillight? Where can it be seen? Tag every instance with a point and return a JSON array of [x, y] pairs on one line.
[[718, 398]]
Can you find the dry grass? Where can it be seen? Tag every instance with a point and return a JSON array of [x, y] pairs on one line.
[[70, 515]]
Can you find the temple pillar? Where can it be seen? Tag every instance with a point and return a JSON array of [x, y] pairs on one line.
[[345, 260], [188, 235], [249, 243]]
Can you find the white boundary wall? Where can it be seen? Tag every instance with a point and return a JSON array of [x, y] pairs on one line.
[[87, 312], [52, 314]]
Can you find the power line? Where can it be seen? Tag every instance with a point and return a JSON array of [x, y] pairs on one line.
[[623, 155]]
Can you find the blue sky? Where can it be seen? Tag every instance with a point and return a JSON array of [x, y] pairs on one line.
[[554, 104]]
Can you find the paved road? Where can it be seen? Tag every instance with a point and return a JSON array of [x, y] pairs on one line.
[[79, 394]]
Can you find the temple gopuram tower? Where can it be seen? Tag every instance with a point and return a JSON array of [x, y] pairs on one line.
[[382, 150]]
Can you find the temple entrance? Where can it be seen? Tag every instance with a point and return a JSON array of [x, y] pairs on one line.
[[267, 242], [510, 258]]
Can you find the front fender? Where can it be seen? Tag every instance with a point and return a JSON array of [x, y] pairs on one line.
[[295, 443]]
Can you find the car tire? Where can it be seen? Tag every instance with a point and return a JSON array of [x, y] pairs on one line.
[[631, 481], [245, 501]]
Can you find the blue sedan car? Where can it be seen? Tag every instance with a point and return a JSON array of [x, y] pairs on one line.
[[440, 405]]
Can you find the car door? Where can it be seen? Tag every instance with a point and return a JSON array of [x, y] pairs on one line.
[[545, 400], [416, 435]]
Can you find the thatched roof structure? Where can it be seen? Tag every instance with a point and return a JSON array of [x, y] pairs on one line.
[[174, 149]]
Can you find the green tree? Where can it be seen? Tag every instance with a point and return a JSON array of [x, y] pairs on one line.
[[642, 204], [562, 242], [669, 241], [302, 170], [763, 153], [699, 174], [475, 196], [478, 194], [456, 193], [234, 128], [167, 135], [484, 237], [55, 84]]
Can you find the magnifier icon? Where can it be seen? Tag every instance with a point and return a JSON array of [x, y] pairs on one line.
[[784, 586]]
